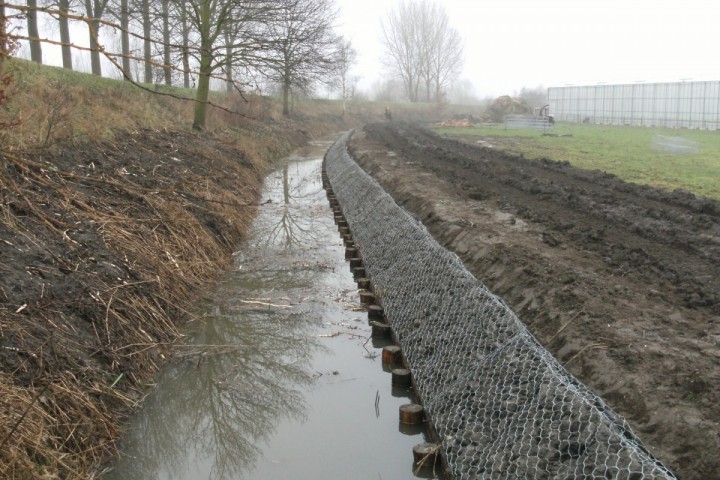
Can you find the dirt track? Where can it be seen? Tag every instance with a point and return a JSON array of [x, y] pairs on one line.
[[620, 282]]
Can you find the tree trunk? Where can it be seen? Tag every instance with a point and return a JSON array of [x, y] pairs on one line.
[[203, 87], [94, 48], [167, 70], [3, 35], [125, 38], [228, 62], [185, 43], [286, 97], [64, 6], [202, 93], [147, 45], [286, 85], [344, 109], [33, 32], [206, 66], [93, 10]]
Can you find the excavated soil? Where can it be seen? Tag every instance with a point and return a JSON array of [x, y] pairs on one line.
[[620, 282]]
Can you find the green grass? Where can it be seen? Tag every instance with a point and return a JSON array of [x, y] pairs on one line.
[[623, 151]]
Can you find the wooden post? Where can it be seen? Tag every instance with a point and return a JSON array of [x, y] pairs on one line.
[[367, 298], [425, 453], [392, 354], [401, 377], [380, 330], [376, 312], [412, 414]]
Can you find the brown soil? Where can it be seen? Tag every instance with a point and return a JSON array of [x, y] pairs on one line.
[[620, 282], [103, 250]]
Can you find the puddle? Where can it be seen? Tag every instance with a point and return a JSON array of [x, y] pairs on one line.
[[280, 379]]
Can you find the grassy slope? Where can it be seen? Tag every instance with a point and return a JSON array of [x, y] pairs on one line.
[[56, 106], [624, 151]]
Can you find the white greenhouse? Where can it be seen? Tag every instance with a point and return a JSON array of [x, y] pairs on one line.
[[676, 105]]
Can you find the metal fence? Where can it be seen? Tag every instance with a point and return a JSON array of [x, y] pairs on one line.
[[501, 405], [676, 105], [527, 122]]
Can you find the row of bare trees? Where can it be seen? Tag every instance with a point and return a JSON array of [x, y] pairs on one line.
[[422, 48], [289, 43]]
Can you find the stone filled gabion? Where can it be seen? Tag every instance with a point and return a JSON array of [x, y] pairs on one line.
[[501, 405]]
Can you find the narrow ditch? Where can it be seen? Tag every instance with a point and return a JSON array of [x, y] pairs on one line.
[[281, 376]]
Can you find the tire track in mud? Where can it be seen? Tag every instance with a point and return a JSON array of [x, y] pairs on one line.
[[673, 235]]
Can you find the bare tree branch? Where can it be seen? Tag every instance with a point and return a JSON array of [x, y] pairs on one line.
[[422, 48]]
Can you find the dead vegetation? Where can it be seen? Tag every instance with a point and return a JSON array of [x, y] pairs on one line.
[[112, 222], [102, 252]]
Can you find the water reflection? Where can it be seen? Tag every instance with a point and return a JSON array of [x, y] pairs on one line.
[[241, 376], [286, 311], [292, 227], [247, 363]]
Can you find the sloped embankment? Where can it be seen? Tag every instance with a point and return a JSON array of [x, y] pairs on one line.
[[501, 405], [618, 281], [103, 249]]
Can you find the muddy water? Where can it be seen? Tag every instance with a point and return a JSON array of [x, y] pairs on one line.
[[280, 378]]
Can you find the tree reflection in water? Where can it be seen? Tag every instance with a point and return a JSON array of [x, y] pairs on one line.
[[293, 226], [247, 363], [243, 373]]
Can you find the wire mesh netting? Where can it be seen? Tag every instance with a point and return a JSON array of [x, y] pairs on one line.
[[501, 405]]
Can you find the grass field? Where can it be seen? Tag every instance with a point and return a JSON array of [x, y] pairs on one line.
[[624, 151]]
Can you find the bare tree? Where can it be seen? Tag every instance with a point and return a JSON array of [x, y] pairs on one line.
[[462, 92], [33, 32], [185, 53], [125, 37], [121, 11], [387, 90], [3, 35], [95, 9], [444, 54], [535, 97], [64, 7], [147, 42], [167, 69], [3, 38], [344, 84], [302, 44], [400, 38], [209, 20], [422, 48]]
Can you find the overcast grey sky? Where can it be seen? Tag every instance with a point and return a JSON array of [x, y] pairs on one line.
[[514, 43]]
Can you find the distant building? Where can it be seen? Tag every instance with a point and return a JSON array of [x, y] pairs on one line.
[[676, 105]]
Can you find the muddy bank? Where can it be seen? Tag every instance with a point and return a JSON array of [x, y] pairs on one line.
[[104, 248], [620, 282]]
